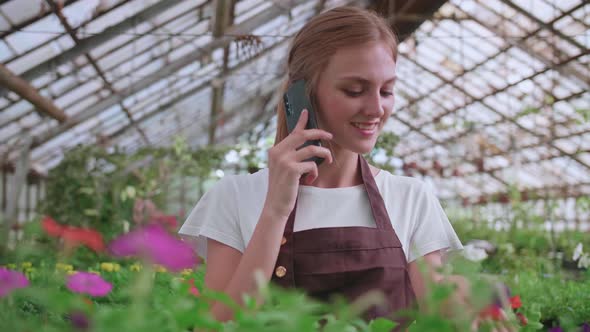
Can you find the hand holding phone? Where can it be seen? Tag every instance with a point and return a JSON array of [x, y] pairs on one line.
[[289, 164]]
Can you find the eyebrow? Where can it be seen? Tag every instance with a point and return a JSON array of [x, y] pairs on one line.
[[364, 81]]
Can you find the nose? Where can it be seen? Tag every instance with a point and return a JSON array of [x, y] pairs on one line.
[[373, 105]]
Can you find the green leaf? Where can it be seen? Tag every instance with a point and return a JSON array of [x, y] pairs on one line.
[[528, 110], [585, 113], [91, 212], [381, 325]]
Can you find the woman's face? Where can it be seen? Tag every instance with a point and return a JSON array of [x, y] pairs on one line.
[[355, 95]]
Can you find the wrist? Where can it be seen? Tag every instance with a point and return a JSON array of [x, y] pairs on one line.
[[273, 214]]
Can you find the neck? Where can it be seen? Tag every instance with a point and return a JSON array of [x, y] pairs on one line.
[[343, 172]]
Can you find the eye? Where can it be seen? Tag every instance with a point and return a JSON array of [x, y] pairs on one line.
[[352, 93], [387, 93]]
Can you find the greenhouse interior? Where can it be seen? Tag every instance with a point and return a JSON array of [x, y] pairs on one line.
[[118, 116]]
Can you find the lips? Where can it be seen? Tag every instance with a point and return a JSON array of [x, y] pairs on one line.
[[365, 125]]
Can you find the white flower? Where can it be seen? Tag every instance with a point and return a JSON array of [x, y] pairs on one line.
[[507, 247], [584, 261], [474, 254], [578, 252]]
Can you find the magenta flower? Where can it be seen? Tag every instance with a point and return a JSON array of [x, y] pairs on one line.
[[11, 280], [156, 244], [556, 329], [88, 283]]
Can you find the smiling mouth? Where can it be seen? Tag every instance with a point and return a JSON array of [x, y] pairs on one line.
[[365, 126]]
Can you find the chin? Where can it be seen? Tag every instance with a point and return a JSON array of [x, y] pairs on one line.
[[363, 148]]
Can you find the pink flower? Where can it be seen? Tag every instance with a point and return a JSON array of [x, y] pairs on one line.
[[154, 243], [193, 289], [88, 283], [11, 280]]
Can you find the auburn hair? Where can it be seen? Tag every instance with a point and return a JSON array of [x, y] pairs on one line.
[[318, 40]]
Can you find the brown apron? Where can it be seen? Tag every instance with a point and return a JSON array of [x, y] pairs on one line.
[[348, 261]]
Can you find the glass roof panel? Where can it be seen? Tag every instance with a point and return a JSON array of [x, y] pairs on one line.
[[504, 82]]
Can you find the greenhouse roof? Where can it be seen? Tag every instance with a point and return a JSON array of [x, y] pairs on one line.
[[490, 93]]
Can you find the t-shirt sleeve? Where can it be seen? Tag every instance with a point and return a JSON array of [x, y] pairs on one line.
[[215, 217], [432, 230]]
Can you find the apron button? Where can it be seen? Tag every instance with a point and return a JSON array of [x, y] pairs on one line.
[[280, 271], [283, 240]]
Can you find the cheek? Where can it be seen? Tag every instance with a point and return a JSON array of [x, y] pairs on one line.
[[336, 108]]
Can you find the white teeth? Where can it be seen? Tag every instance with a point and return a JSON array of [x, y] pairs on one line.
[[364, 126]]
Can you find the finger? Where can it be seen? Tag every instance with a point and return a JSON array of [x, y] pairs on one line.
[[313, 151], [310, 170], [297, 138], [302, 121]]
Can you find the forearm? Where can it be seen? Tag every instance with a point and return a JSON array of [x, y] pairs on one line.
[[260, 255]]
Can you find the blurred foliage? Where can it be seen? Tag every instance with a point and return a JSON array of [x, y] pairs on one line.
[[96, 188]]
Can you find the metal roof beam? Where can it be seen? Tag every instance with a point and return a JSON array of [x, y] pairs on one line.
[[109, 86], [243, 28], [113, 68], [90, 43], [535, 194], [546, 26], [521, 44], [500, 114], [495, 123], [200, 87], [22, 25], [481, 63]]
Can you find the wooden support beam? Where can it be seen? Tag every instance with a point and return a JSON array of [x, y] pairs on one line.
[[223, 18], [19, 179], [113, 66], [26, 91], [4, 189]]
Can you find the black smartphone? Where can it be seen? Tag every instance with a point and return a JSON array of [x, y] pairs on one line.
[[296, 100]]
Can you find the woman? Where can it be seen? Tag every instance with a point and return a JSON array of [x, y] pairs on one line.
[[343, 227]]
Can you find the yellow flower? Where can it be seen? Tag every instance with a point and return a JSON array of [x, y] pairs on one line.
[[64, 267], [110, 267], [30, 272], [186, 272], [136, 267], [11, 266], [95, 272], [160, 268], [72, 272], [26, 265]]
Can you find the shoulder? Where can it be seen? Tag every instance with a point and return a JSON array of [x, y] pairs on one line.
[[402, 184], [405, 192], [241, 181], [248, 181], [241, 187]]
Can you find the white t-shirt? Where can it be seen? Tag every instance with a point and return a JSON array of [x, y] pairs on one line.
[[229, 212]]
